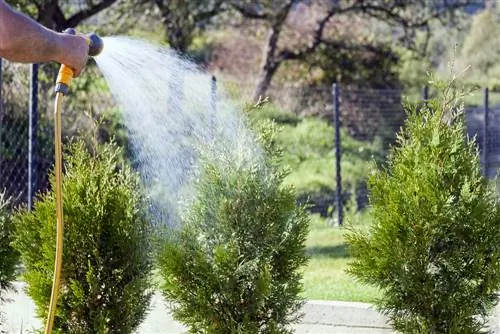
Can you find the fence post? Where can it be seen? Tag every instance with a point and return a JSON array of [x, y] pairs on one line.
[[338, 193], [486, 131], [1, 126], [213, 95], [32, 140], [425, 93]]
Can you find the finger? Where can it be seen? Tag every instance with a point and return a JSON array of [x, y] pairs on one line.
[[77, 73]]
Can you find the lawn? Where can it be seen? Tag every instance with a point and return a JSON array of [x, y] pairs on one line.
[[325, 277]]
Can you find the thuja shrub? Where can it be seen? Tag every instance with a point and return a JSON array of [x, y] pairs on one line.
[[433, 245], [105, 278], [234, 266], [9, 257]]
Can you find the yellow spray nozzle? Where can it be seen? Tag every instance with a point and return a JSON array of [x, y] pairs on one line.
[[64, 78], [66, 74]]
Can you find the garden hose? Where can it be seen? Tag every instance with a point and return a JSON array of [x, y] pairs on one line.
[[62, 88]]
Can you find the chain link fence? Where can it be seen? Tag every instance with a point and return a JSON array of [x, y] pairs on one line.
[[373, 117], [363, 123], [26, 127]]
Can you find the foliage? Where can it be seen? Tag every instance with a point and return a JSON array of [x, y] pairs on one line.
[[309, 154], [234, 265], [434, 49], [278, 116], [8, 254], [355, 65], [433, 245], [106, 259], [481, 49]]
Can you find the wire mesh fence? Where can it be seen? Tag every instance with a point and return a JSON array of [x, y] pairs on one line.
[[26, 129], [373, 117], [364, 123], [25, 134]]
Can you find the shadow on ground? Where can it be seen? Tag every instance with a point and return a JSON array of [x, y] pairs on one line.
[[336, 252]]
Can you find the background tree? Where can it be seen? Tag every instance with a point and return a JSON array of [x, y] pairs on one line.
[[481, 49], [403, 18], [182, 19], [59, 15]]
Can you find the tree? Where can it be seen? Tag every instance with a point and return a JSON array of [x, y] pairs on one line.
[[481, 49], [183, 18], [403, 17], [433, 245], [105, 279], [235, 265], [8, 254], [59, 15]]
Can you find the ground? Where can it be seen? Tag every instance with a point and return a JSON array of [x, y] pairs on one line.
[[320, 317]]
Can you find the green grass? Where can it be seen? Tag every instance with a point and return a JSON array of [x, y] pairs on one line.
[[325, 277]]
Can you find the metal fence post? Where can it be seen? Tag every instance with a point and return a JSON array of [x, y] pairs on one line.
[[425, 93], [338, 193], [486, 130], [213, 95], [32, 140], [1, 127]]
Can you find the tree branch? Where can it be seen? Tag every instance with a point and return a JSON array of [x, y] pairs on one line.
[[58, 18], [202, 16], [362, 47], [250, 11], [377, 11], [317, 38], [160, 5], [390, 12], [86, 13]]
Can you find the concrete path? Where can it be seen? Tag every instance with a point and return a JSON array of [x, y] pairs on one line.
[[321, 317]]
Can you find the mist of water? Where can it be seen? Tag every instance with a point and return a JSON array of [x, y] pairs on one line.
[[172, 114]]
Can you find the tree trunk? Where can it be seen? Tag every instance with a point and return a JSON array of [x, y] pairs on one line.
[[270, 63], [264, 81], [177, 38], [46, 14]]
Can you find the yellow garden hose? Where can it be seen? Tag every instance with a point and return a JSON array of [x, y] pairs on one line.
[[62, 87], [59, 213]]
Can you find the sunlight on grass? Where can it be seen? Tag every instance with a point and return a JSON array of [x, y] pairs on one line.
[[325, 277]]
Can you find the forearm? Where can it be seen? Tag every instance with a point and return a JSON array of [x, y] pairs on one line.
[[24, 40]]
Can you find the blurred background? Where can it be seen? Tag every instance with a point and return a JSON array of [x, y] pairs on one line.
[[379, 53]]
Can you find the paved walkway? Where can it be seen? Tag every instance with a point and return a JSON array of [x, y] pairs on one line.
[[321, 317]]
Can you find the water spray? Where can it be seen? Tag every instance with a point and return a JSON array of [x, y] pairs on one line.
[[63, 82]]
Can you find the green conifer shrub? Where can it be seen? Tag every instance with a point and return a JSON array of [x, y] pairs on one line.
[[433, 246], [234, 266], [105, 278], [9, 257]]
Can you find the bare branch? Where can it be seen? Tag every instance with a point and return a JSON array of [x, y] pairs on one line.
[[391, 12], [317, 38], [77, 18]]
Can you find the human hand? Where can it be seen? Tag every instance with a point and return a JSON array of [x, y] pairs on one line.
[[73, 52]]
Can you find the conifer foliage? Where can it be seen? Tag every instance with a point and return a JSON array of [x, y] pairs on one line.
[[9, 257], [105, 278], [234, 267], [433, 247]]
